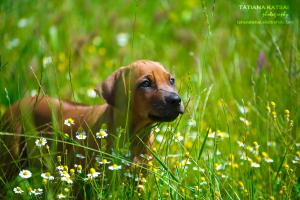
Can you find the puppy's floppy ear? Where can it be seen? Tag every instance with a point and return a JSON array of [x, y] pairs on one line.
[[114, 86]]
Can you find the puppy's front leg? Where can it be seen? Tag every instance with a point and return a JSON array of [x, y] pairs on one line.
[[140, 150]]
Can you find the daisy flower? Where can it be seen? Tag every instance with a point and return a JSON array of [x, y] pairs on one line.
[[36, 192], [202, 181], [80, 156], [245, 121], [93, 174], [69, 121], [254, 164], [91, 93], [47, 61], [101, 134], [141, 187], [128, 174], [41, 142], [296, 158], [268, 160], [103, 162], [18, 190], [266, 157], [159, 138], [66, 179], [47, 176], [178, 137], [241, 144], [61, 196], [81, 135], [25, 173], [219, 167], [122, 39], [114, 167], [64, 174], [78, 167], [157, 130], [218, 134], [192, 123], [60, 167], [140, 179]]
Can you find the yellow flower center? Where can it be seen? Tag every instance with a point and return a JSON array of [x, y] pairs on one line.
[[115, 166], [92, 170], [102, 133]]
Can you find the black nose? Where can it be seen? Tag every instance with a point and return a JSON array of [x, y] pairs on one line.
[[173, 99]]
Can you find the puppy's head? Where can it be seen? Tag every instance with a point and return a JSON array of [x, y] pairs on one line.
[[149, 88]]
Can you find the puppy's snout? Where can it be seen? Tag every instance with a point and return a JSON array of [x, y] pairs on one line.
[[173, 99]]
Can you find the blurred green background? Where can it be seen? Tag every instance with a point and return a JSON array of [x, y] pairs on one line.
[[192, 38]]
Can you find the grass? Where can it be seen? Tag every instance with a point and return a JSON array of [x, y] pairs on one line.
[[239, 135]]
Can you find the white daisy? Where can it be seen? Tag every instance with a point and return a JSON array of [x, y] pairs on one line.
[[18, 190], [159, 138], [243, 109], [64, 174], [103, 162], [60, 168], [60, 196], [245, 121], [140, 179], [93, 174], [122, 39], [47, 176], [157, 130], [33, 93], [47, 61], [66, 179], [69, 121], [91, 93], [114, 167], [80, 156], [36, 192], [22, 23], [241, 144], [13, 43], [254, 164], [40, 142], [219, 167], [25, 173], [268, 160], [101, 134], [129, 175], [178, 137], [218, 134], [192, 123], [81, 135]]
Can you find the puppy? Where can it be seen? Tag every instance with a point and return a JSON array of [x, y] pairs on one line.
[[137, 96]]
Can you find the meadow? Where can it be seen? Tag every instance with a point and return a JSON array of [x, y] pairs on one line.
[[240, 84]]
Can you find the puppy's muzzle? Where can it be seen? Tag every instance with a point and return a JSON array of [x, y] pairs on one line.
[[168, 108]]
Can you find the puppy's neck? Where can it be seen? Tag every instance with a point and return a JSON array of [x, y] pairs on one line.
[[115, 118]]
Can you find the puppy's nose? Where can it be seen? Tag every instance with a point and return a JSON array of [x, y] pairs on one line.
[[173, 99]]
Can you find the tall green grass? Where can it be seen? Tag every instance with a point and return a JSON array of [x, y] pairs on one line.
[[235, 121]]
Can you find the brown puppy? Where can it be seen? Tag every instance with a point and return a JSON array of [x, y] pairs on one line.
[[137, 96]]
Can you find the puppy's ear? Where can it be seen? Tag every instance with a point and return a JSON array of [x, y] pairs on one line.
[[114, 86]]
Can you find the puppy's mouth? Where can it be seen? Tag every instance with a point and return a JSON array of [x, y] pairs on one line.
[[166, 115]]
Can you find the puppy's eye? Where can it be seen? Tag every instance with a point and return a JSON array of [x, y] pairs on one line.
[[145, 84], [172, 81]]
